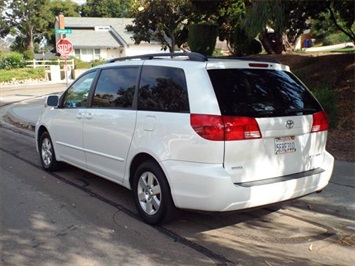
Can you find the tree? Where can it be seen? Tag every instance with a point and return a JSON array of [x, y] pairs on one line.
[[324, 17], [290, 18], [263, 17], [31, 20], [342, 13], [24, 19], [106, 8], [66, 7], [226, 14], [162, 21]]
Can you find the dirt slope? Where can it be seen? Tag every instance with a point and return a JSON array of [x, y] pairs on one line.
[[336, 71]]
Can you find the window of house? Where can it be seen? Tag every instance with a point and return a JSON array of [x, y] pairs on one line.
[[86, 51], [97, 54]]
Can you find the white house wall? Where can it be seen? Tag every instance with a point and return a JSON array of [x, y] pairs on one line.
[[109, 53], [144, 49]]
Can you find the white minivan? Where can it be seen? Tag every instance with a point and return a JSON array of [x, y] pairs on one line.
[[185, 131]]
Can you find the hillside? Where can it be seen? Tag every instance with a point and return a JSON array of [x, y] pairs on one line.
[[337, 72]]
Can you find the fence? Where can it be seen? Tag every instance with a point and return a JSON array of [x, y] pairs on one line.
[[47, 63], [53, 68]]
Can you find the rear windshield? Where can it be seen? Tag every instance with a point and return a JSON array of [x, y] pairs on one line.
[[261, 93]]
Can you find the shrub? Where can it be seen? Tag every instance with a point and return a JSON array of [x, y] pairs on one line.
[[28, 55], [218, 52], [202, 38], [12, 60], [328, 99], [82, 65], [97, 62], [335, 38], [244, 45]]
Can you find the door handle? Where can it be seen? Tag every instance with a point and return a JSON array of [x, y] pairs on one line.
[[89, 116], [80, 115]]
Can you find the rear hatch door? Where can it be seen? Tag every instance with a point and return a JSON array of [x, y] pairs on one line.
[[284, 110]]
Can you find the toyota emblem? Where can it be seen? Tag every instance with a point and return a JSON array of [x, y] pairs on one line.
[[289, 124]]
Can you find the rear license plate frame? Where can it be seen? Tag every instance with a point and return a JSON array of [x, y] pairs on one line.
[[285, 145]]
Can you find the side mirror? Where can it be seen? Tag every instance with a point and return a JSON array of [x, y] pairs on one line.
[[52, 100]]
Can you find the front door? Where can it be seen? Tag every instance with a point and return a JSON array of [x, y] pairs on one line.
[[66, 127], [110, 122]]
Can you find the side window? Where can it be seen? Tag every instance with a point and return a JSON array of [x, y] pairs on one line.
[[115, 88], [163, 89], [76, 96]]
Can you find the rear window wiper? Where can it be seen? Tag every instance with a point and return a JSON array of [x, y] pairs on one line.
[[300, 110]]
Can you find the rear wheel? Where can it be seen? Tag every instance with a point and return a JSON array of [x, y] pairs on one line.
[[152, 194], [46, 153]]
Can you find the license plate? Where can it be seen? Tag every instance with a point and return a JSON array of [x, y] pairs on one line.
[[285, 145]]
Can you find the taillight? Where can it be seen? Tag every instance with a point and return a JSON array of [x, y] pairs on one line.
[[237, 128], [208, 126], [320, 122], [214, 127]]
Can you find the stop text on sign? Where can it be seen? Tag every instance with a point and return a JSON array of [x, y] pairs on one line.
[[64, 47]]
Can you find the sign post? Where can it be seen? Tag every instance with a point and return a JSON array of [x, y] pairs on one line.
[[64, 47]]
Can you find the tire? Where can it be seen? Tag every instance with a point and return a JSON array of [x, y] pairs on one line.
[[47, 154], [152, 195]]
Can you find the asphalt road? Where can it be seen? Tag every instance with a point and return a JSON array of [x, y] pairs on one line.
[[72, 217]]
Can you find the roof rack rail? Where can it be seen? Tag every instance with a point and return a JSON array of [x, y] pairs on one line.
[[191, 55], [258, 59]]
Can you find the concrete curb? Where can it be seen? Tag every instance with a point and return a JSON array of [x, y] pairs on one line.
[[18, 120]]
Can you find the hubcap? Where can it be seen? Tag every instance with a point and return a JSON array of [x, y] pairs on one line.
[[149, 193], [46, 152]]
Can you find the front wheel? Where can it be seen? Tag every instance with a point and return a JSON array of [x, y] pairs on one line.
[[152, 193], [46, 153]]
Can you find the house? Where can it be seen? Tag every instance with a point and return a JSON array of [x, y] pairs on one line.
[[102, 38], [305, 40]]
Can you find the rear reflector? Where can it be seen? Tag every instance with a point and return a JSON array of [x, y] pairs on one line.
[[214, 127], [320, 122]]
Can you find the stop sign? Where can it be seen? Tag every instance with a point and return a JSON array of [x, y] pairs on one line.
[[64, 47]]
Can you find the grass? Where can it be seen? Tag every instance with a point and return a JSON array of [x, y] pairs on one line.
[[21, 74], [345, 50]]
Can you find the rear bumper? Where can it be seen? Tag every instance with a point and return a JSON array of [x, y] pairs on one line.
[[209, 187]]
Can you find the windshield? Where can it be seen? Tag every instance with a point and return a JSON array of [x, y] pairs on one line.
[[261, 93]]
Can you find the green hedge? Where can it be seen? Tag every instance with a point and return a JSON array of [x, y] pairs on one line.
[[202, 38]]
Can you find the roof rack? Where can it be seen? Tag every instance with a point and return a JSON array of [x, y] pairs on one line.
[[258, 59], [192, 56]]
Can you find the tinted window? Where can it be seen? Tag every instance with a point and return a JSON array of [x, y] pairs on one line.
[[163, 89], [76, 96], [261, 93], [115, 88]]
